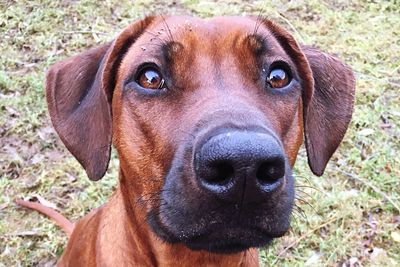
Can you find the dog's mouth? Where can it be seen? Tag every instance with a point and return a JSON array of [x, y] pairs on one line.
[[221, 228], [224, 238], [226, 245]]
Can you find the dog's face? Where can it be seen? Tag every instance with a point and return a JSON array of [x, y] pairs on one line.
[[207, 118]]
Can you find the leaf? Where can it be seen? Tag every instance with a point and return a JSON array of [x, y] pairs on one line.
[[366, 132], [378, 255], [45, 202], [395, 236], [3, 206], [25, 233], [45, 133], [313, 259], [37, 158]]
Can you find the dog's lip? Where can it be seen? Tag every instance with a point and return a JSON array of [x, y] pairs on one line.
[[232, 244], [160, 229], [225, 248], [207, 234], [254, 229], [237, 234]]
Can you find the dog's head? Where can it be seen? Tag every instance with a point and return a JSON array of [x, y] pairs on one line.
[[207, 117]]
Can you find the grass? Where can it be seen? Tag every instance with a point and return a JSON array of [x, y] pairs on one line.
[[348, 216]]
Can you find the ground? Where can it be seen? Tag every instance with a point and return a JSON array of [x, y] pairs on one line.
[[348, 217]]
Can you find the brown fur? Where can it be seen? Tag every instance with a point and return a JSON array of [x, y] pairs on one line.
[[212, 61]]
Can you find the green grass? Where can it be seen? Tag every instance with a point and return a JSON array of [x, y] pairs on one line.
[[351, 214]]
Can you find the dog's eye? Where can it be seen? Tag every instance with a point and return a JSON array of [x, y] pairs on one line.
[[150, 78], [278, 78]]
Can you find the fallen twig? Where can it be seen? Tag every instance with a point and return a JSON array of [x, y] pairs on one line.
[[377, 190], [383, 80], [304, 236], [84, 32]]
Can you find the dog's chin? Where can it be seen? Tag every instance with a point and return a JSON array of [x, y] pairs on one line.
[[222, 241], [224, 245], [227, 247]]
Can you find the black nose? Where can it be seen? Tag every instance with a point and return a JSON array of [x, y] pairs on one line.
[[240, 167]]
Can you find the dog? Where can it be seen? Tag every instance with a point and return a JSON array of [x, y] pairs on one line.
[[207, 117]]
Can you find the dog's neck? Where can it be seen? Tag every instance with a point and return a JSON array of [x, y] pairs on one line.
[[155, 252]]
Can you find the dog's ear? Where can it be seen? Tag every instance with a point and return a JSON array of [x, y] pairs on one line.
[[79, 93], [328, 112], [328, 97]]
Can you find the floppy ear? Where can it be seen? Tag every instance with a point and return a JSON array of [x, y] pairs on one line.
[[328, 113], [79, 93], [328, 97]]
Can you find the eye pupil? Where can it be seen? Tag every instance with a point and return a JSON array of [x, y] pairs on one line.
[[151, 76], [151, 79], [278, 74], [278, 78]]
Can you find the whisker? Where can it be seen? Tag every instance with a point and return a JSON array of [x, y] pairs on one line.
[[303, 201], [259, 21], [171, 38]]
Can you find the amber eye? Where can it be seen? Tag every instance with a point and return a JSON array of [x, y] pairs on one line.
[[278, 78], [150, 78]]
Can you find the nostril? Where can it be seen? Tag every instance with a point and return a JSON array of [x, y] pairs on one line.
[[269, 172], [220, 172]]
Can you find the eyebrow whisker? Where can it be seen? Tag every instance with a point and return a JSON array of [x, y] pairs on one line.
[[259, 21], [170, 36], [157, 37]]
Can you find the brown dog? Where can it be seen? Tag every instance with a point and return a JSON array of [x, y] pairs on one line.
[[207, 117]]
